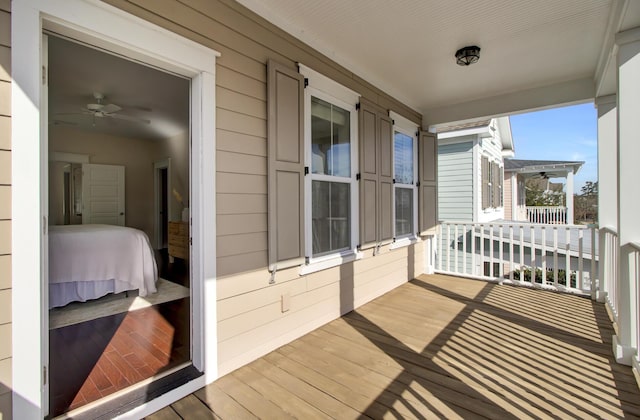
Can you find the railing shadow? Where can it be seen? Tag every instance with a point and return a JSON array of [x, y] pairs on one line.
[[501, 358]]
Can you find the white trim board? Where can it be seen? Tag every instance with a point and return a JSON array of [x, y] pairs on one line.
[[93, 21]]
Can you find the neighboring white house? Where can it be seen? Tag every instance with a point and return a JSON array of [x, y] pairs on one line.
[[470, 170]]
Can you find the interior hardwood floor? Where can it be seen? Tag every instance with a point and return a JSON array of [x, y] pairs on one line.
[[97, 358], [436, 347]]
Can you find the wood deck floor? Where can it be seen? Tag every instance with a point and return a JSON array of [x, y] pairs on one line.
[[436, 347]]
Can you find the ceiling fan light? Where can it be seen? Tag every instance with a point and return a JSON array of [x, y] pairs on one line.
[[467, 55]]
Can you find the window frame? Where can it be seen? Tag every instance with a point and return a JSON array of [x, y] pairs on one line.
[[404, 126], [325, 89]]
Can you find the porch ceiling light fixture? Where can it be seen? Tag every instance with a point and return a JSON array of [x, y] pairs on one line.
[[467, 55]]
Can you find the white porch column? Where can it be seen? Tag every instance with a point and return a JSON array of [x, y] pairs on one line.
[[569, 197], [625, 343], [607, 176]]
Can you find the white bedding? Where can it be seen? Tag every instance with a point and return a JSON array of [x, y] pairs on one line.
[[90, 261]]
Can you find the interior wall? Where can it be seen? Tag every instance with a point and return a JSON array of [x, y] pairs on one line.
[[177, 149], [135, 155], [5, 211]]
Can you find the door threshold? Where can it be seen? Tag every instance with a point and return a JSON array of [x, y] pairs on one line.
[[135, 395]]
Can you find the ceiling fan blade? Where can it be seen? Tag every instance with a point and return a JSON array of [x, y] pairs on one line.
[[111, 108], [129, 118], [60, 122]]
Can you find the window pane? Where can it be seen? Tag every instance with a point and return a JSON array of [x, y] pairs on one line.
[[404, 211], [331, 209], [330, 139], [403, 158]]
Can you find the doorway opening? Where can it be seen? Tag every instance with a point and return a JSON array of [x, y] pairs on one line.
[[120, 302]]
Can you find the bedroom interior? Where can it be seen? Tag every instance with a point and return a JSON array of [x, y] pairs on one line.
[[119, 273]]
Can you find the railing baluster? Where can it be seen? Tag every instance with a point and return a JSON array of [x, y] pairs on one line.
[[501, 251], [491, 273], [511, 252], [473, 249], [580, 279], [567, 262], [439, 246], [448, 247], [555, 256], [521, 234], [464, 249], [455, 244], [482, 250], [543, 253], [533, 255]]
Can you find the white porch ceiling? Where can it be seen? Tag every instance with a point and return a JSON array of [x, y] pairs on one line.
[[534, 53]]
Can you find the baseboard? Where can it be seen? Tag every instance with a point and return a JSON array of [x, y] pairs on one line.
[[623, 354], [599, 296], [635, 368]]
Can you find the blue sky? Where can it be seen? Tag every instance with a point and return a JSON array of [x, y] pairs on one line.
[[568, 133]]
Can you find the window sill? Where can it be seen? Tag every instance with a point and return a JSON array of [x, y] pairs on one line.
[[404, 242], [329, 262]]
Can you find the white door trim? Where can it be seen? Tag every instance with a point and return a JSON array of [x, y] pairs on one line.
[[105, 26]]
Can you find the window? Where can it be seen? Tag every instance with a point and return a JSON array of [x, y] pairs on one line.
[[330, 186], [404, 176]]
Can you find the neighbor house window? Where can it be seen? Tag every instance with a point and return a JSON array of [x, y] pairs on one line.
[[331, 186], [405, 176], [492, 184]]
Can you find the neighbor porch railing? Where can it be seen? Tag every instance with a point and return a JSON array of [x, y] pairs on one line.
[[549, 256], [547, 214]]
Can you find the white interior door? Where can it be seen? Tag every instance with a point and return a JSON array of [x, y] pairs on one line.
[[103, 194]]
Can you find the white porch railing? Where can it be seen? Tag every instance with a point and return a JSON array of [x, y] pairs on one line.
[[547, 215], [609, 272], [548, 256]]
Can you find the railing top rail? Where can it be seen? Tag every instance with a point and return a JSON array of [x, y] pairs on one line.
[[546, 207], [635, 246], [608, 229], [517, 223]]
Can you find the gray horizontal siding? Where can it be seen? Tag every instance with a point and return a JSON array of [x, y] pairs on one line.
[[455, 181]]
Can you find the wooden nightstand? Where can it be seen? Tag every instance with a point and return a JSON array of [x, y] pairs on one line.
[[178, 240]]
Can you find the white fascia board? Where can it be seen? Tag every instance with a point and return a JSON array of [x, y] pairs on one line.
[[504, 128], [525, 100], [533, 169], [482, 131], [454, 140]]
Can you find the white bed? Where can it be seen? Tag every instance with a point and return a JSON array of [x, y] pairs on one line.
[[90, 261]]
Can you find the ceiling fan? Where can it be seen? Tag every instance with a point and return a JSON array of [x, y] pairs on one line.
[[99, 109]]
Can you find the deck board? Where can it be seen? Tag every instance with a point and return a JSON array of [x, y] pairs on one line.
[[439, 346]]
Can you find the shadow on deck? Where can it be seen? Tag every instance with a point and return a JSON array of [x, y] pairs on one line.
[[437, 346]]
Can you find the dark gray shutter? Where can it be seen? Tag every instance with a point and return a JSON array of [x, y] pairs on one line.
[[376, 175], [486, 198], [285, 137], [428, 190], [385, 179], [502, 186], [495, 184], [368, 176]]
